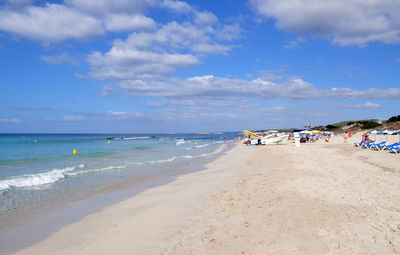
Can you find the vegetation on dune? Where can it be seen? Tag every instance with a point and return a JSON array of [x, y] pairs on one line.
[[394, 119], [354, 125]]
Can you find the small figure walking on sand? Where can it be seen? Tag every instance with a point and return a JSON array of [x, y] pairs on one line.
[[345, 137]]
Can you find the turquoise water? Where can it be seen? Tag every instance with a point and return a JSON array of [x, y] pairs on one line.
[[36, 174]]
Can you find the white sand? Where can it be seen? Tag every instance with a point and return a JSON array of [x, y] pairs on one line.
[[323, 198]]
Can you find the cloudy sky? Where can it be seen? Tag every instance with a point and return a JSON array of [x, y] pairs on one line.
[[140, 66]]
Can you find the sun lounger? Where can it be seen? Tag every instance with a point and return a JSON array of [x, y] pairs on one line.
[[361, 144], [376, 145], [366, 145], [395, 150], [386, 147]]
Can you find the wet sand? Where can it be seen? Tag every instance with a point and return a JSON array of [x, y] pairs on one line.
[[322, 198]]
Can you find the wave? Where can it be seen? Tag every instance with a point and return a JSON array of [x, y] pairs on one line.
[[33, 180], [30, 180], [136, 138], [130, 138], [55, 175], [201, 146], [94, 170], [180, 141], [218, 150], [162, 160]]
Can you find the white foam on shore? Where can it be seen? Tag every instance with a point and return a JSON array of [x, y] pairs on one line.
[[201, 146], [180, 141], [136, 138], [33, 180]]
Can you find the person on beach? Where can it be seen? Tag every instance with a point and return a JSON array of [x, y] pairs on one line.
[[365, 138], [345, 137]]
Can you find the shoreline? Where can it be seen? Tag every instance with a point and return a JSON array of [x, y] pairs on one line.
[[323, 198], [35, 226]]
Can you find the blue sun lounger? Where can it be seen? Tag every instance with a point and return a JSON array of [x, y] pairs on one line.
[[377, 144], [362, 144], [366, 145], [395, 150], [386, 147]]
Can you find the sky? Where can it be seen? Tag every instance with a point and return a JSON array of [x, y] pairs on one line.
[[148, 66]]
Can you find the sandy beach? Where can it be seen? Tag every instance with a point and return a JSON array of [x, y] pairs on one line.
[[322, 198]]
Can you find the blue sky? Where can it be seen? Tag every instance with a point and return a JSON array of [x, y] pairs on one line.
[[188, 66]]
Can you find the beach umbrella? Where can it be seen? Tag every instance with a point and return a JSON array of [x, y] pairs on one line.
[[386, 132], [397, 132], [374, 132]]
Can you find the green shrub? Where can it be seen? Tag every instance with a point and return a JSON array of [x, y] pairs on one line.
[[369, 124], [330, 127], [394, 118]]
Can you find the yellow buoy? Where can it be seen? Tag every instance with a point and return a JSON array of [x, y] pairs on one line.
[[35, 141], [195, 143], [108, 141], [75, 152]]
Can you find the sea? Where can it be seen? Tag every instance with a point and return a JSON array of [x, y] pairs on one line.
[[44, 183]]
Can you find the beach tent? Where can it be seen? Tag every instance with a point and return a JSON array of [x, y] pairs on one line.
[[305, 132]]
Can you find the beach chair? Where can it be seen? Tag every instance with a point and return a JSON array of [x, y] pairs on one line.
[[373, 146], [360, 144], [365, 145], [387, 147], [395, 150]]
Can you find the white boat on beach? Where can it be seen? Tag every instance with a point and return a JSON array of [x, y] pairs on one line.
[[273, 137], [268, 137]]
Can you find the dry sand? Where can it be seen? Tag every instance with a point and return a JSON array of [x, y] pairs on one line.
[[322, 198]]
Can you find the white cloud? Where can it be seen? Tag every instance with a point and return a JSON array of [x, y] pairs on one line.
[[208, 104], [145, 54], [277, 108], [62, 58], [295, 43], [293, 88], [367, 105], [13, 120], [73, 118], [123, 63], [81, 76], [101, 7], [205, 18], [123, 22], [177, 6], [50, 24], [17, 3], [85, 19], [346, 22]]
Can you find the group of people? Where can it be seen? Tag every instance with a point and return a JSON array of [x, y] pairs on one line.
[[346, 136]]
